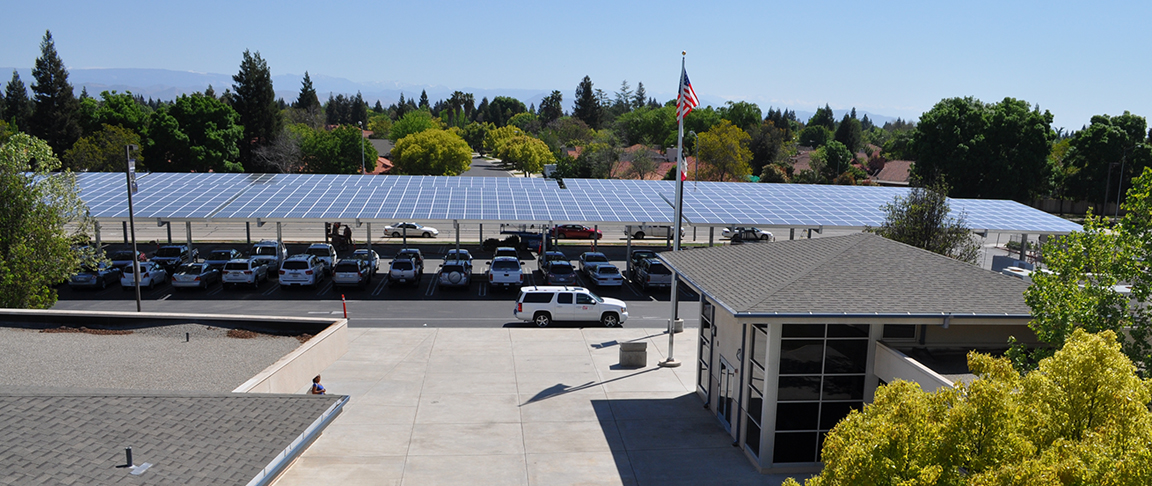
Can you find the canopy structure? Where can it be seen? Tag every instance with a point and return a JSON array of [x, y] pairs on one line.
[[262, 198]]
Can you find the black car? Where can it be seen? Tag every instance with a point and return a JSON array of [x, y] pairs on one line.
[[95, 277], [218, 258]]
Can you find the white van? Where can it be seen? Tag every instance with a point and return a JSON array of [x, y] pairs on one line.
[[544, 304]]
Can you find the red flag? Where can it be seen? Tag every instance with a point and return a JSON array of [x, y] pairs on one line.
[[686, 100]]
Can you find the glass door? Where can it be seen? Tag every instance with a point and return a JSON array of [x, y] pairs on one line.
[[727, 394]]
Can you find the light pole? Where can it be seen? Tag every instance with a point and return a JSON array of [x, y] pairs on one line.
[[131, 177], [361, 147]]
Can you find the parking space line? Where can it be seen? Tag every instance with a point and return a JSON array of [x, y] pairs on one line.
[[323, 290], [431, 286], [483, 288], [271, 289], [380, 287], [216, 290], [165, 297]]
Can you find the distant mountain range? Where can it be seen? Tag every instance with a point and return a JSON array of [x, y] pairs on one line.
[[166, 84]]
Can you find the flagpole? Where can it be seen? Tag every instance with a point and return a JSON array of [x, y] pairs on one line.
[[671, 362]]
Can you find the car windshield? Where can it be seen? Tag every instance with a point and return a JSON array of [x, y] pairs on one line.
[[191, 269], [168, 251], [554, 256], [644, 255], [505, 265], [402, 265], [236, 266], [406, 254], [595, 257], [658, 269], [221, 255], [265, 250], [323, 252], [296, 265], [347, 267], [362, 255], [122, 255]]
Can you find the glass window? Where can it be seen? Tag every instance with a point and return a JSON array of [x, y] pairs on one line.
[[584, 299], [755, 405], [797, 416], [844, 387], [795, 447], [794, 388], [564, 298], [833, 412], [759, 344], [801, 357], [848, 356], [757, 378], [847, 330], [899, 331], [802, 330], [752, 438]]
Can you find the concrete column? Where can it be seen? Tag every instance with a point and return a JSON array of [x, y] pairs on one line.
[[188, 229], [791, 233], [279, 236], [628, 251], [481, 233], [168, 226], [456, 229], [711, 234]]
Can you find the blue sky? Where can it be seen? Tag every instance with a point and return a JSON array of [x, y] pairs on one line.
[[895, 58]]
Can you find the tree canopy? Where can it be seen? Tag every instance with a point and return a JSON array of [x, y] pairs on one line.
[[41, 218], [196, 133], [254, 100], [56, 112], [431, 152], [922, 219], [1081, 418], [723, 153], [337, 151], [1105, 156], [103, 151], [412, 122], [587, 108], [526, 154], [17, 106]]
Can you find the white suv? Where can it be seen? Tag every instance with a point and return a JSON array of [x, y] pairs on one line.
[[303, 269], [325, 253], [544, 304]]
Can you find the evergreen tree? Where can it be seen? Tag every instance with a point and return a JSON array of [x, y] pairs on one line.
[[824, 118], [551, 107], [208, 93], [482, 111], [378, 108], [640, 97], [359, 113], [56, 111], [255, 100], [866, 124], [588, 108], [849, 133], [401, 107], [423, 99], [17, 109], [853, 115], [307, 97]]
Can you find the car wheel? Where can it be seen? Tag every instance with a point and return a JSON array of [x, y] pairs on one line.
[[610, 319], [395, 234], [639, 235], [763, 237], [542, 319], [427, 234], [103, 284]]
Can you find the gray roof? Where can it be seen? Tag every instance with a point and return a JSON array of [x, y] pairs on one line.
[[855, 274], [189, 438]]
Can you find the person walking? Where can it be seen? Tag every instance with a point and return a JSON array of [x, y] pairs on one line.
[[317, 388]]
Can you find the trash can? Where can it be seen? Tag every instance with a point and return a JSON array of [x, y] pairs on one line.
[[634, 355]]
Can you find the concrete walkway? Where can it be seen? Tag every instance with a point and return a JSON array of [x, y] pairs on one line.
[[518, 406]]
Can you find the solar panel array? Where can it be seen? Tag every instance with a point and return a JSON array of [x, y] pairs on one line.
[[298, 197]]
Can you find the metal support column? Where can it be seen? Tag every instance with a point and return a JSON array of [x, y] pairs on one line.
[[791, 233], [456, 229], [1023, 247], [168, 226], [595, 229], [248, 232], [481, 233], [279, 237], [711, 235], [369, 240], [188, 229], [125, 223], [628, 251]]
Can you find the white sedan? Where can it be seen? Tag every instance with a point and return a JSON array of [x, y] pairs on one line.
[[411, 229], [747, 233], [606, 275], [150, 275]]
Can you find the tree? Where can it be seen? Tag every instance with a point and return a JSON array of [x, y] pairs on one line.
[[995, 151], [814, 136], [284, 154], [503, 108], [431, 152], [823, 118], [571, 131], [769, 144], [723, 153], [648, 126], [525, 154], [495, 137], [642, 164], [255, 100], [196, 133], [103, 151], [587, 108], [551, 107], [17, 106], [599, 160], [474, 134], [307, 98], [1109, 145], [836, 159], [745, 115], [849, 133], [526, 121], [1081, 418], [640, 97], [923, 219], [380, 125], [337, 151], [41, 218], [124, 110], [412, 122], [56, 112], [423, 99]]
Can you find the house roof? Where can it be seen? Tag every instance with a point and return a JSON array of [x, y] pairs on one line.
[[78, 437], [897, 171], [854, 274]]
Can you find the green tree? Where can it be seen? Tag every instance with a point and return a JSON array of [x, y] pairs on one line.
[[745, 115], [474, 133], [431, 152], [1097, 155], [814, 136], [823, 118], [337, 151], [41, 217], [496, 137], [723, 153], [850, 134], [648, 126], [526, 121], [503, 108], [122, 109], [994, 151], [380, 125], [642, 164], [255, 100], [587, 108], [769, 145], [551, 107], [196, 133], [836, 159], [412, 122], [17, 106], [307, 98], [423, 99], [923, 219], [103, 151], [525, 154], [56, 112], [598, 160], [571, 131], [640, 98]]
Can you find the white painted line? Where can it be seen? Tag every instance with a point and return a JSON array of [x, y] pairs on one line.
[[271, 289], [165, 297], [216, 290], [325, 288], [431, 286], [380, 287]]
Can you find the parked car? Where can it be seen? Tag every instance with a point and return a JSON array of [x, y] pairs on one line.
[[635, 259], [506, 251], [653, 273], [461, 256], [270, 252], [407, 267], [548, 257], [218, 258], [369, 256], [640, 231], [545, 304], [247, 271], [96, 276], [606, 275], [195, 275], [172, 256], [151, 273], [352, 272], [590, 259], [410, 229], [560, 272], [746, 234], [324, 252], [505, 271], [454, 273], [124, 257], [303, 269], [576, 231]]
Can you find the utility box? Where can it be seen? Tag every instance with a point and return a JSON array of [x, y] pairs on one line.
[[634, 355]]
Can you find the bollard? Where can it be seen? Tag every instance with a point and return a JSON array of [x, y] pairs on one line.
[[345, 304]]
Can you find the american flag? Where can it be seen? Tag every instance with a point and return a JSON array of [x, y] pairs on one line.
[[686, 100]]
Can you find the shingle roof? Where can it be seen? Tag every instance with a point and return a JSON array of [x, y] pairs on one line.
[[189, 438], [855, 274]]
